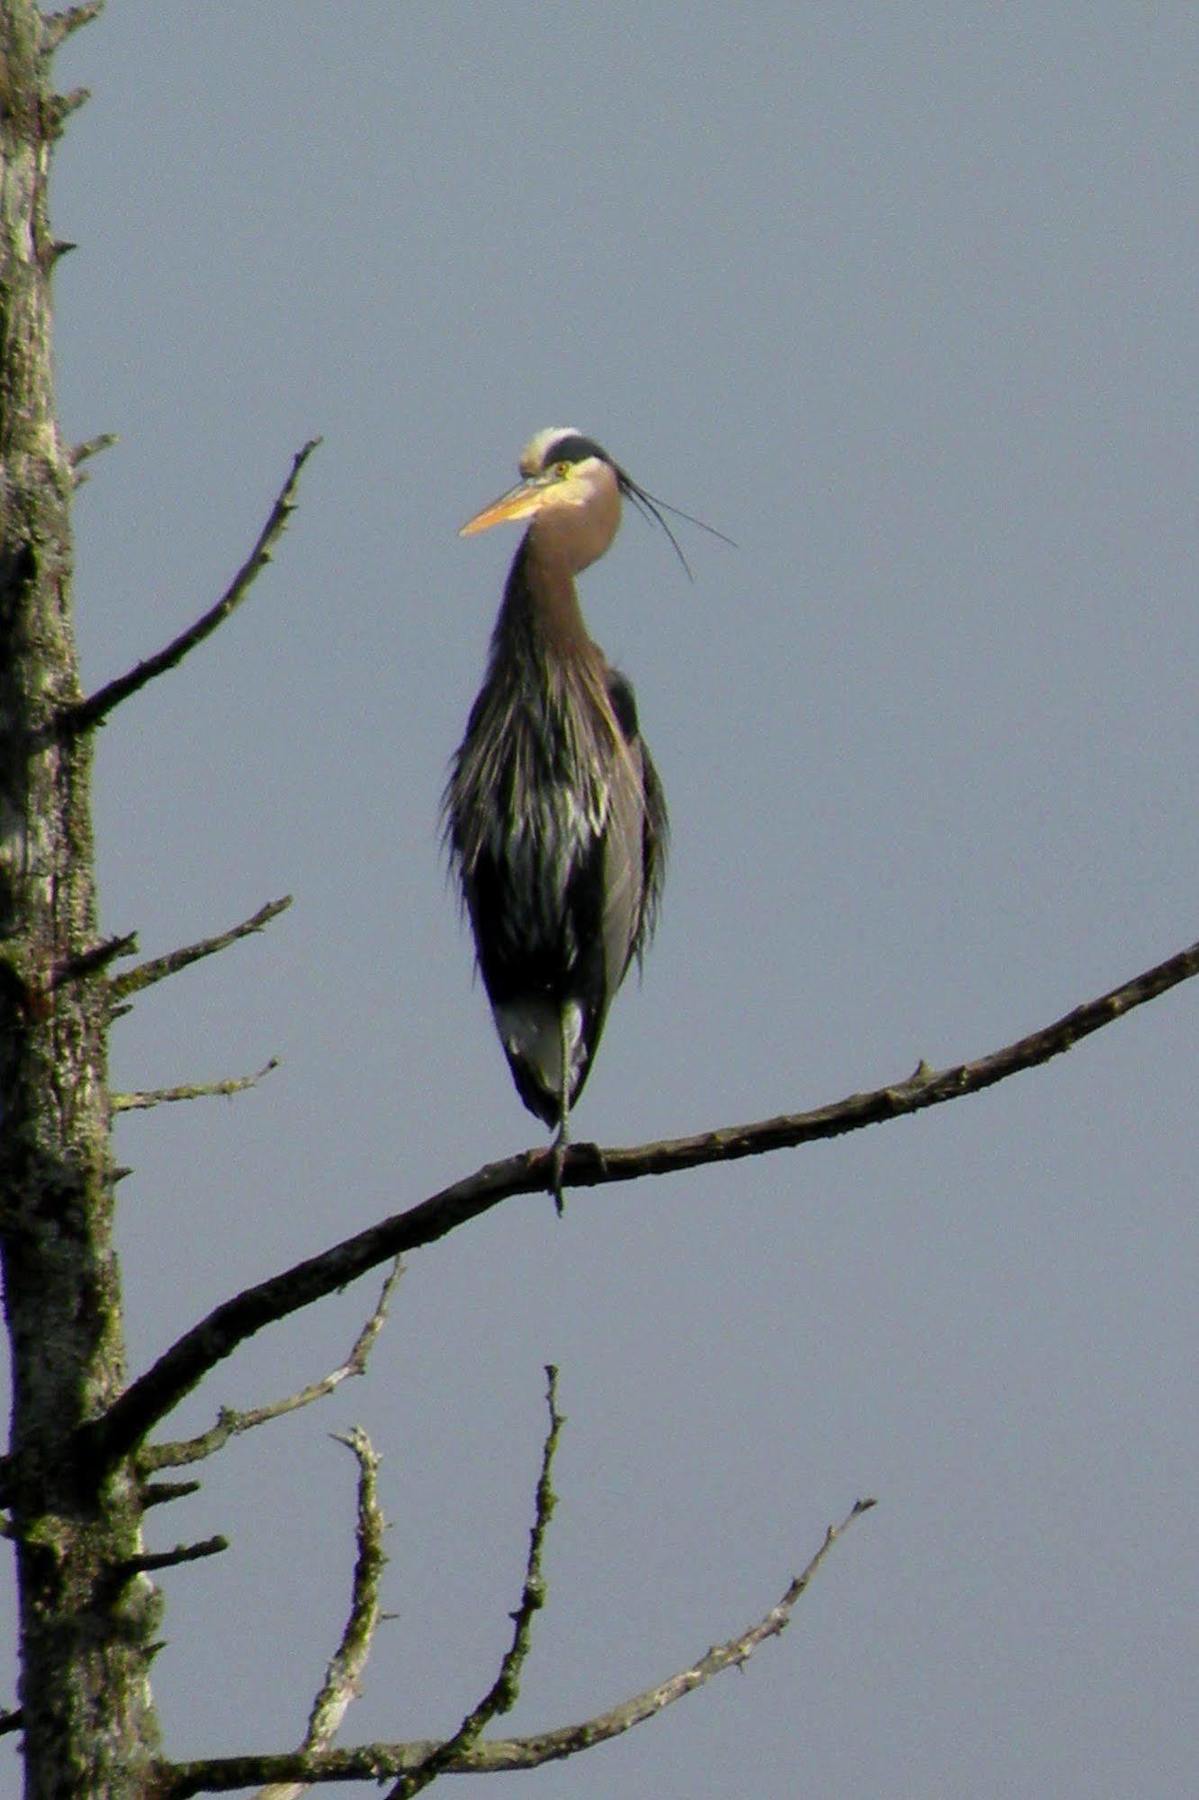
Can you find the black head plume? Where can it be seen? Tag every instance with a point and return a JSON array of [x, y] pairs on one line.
[[650, 507]]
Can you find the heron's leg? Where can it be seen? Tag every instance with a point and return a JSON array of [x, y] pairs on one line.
[[563, 1138]]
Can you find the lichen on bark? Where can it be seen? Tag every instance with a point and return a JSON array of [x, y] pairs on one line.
[[86, 1624]]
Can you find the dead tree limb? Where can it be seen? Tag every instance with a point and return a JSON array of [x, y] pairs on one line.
[[86, 714], [502, 1695], [153, 1395], [344, 1673], [159, 967], [56, 27], [222, 1775], [231, 1424], [143, 1099]]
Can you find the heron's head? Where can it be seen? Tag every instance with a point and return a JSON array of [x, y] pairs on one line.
[[567, 480], [572, 488]]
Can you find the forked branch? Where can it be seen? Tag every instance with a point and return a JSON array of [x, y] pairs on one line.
[[95, 709], [153, 1395], [344, 1673], [222, 1775], [56, 27]]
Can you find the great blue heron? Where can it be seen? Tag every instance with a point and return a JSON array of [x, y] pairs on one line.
[[554, 813]]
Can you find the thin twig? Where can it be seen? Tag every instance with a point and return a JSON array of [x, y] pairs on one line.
[[58, 26], [231, 1424], [159, 967], [168, 1559], [344, 1673], [79, 453], [222, 1775], [91, 712], [502, 1695], [145, 1098], [94, 959], [189, 1359], [57, 109], [161, 1493]]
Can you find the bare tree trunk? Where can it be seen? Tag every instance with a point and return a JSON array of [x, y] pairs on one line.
[[87, 1613]]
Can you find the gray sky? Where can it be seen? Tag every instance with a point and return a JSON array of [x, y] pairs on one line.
[[903, 299]]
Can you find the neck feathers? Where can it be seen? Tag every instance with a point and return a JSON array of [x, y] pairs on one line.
[[541, 611]]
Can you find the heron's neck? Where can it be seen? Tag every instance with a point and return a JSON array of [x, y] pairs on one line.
[[541, 605]]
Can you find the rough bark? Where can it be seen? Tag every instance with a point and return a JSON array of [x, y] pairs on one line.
[[87, 1613]]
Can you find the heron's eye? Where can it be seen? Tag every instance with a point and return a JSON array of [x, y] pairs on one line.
[[562, 470]]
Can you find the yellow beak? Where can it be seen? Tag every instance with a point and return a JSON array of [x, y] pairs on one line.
[[518, 503]]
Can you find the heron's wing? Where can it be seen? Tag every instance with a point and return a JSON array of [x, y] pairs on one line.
[[635, 841], [655, 837]]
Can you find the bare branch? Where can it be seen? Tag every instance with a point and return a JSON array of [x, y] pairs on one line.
[[104, 440], [147, 973], [94, 959], [220, 1775], [58, 108], [179, 1369], [502, 1695], [12, 1721], [192, 1090], [92, 711], [232, 1424], [168, 1559], [160, 1493], [342, 1677], [56, 27]]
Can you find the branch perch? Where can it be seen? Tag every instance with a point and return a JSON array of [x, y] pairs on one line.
[[159, 967], [179, 1369], [88, 713], [222, 1775]]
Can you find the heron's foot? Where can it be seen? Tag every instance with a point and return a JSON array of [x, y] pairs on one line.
[[558, 1151]]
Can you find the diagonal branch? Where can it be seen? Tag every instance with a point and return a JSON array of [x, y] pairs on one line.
[[144, 1098], [56, 27], [81, 453], [504, 1691], [344, 1673], [231, 1424], [86, 714], [180, 1368], [94, 960], [159, 967], [221, 1775]]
